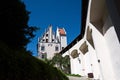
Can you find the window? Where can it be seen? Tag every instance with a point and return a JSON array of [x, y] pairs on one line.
[[42, 48], [46, 35], [44, 56], [74, 53], [90, 75], [98, 60], [62, 48], [43, 40], [52, 40], [89, 36], [46, 40], [56, 48]]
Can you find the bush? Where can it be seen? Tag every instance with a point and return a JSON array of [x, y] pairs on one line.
[[77, 75], [20, 65]]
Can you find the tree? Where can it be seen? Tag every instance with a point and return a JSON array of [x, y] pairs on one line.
[[15, 33], [57, 60], [63, 63], [14, 17], [66, 64]]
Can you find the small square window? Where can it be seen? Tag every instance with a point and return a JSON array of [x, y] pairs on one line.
[[52, 40], [98, 60], [46, 35], [44, 56], [56, 48], [46, 40], [62, 48], [42, 48], [43, 40]]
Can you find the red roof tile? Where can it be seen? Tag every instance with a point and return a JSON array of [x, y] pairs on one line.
[[62, 32]]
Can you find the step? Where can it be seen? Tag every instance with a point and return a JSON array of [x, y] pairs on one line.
[[78, 78]]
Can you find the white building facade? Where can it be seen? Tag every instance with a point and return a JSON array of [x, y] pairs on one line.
[[51, 43], [96, 52]]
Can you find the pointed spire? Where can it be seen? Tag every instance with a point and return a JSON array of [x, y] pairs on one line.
[[50, 25]]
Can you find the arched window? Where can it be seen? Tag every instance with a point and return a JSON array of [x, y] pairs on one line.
[[74, 53], [84, 48], [89, 36]]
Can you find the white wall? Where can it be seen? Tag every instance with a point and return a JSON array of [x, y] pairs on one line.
[[50, 44], [114, 49], [94, 62], [83, 67], [50, 49], [63, 41], [107, 51], [103, 54]]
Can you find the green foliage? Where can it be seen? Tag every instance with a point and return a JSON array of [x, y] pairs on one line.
[[66, 64], [14, 17], [57, 60], [20, 65], [63, 63], [77, 75], [15, 62]]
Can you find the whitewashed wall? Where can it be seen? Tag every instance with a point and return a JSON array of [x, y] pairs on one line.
[[50, 49], [63, 41], [114, 49], [104, 59]]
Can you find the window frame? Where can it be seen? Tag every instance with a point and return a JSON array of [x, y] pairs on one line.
[[42, 48], [56, 48]]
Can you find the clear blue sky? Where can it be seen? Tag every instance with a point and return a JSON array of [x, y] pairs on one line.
[[61, 13]]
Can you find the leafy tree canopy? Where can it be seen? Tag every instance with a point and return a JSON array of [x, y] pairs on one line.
[[14, 17], [63, 63]]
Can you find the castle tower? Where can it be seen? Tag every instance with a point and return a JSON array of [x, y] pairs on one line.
[[51, 43], [62, 38]]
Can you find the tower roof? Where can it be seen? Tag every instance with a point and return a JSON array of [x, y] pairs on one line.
[[62, 31]]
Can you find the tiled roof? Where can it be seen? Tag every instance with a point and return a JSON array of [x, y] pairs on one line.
[[62, 32]]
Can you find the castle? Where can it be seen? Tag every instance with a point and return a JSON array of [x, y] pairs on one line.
[[51, 42], [95, 53]]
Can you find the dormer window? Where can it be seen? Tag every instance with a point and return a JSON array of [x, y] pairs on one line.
[[46, 35], [52, 40], [46, 40], [43, 40]]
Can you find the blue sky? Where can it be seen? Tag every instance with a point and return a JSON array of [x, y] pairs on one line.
[[61, 13]]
